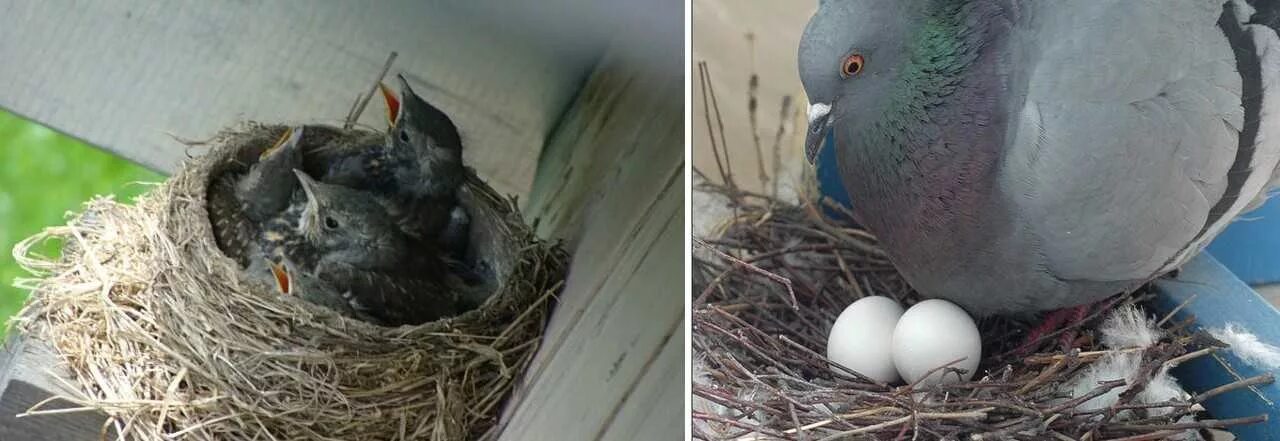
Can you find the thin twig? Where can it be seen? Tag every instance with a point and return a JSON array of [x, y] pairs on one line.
[[355, 115]]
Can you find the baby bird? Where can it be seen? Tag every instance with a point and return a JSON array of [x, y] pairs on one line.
[[424, 145], [268, 187], [363, 259], [293, 281], [418, 168], [238, 201]]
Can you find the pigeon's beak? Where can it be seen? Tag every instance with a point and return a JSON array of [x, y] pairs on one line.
[[819, 126], [393, 104], [289, 137], [281, 275]]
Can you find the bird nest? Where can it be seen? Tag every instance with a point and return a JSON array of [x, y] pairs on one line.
[[164, 333], [769, 281]]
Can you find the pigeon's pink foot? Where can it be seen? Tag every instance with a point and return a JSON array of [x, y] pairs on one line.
[[1064, 320]]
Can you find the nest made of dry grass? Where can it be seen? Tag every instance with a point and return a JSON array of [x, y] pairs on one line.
[[771, 280], [160, 330]]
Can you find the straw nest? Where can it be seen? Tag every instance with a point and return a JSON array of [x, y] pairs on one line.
[[161, 331], [769, 281]]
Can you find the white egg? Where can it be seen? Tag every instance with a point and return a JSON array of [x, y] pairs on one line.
[[931, 334], [862, 336]]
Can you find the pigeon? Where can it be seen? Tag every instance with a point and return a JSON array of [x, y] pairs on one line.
[[346, 250], [1016, 156], [240, 200]]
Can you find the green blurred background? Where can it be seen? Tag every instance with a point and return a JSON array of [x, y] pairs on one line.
[[43, 175]]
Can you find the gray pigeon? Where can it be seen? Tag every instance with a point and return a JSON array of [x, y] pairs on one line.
[[1019, 156]]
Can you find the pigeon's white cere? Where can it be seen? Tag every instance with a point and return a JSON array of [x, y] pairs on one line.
[[934, 333], [818, 111], [861, 336]]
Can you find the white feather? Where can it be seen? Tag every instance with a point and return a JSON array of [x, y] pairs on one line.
[[1122, 366], [1247, 346], [1128, 327]]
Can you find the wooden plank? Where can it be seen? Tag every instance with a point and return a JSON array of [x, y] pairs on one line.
[[581, 380], [624, 116], [27, 377], [654, 409], [122, 74], [611, 183], [1222, 298]]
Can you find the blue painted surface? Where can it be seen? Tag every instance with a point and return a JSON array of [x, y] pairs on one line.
[[1223, 299], [1253, 248], [1250, 246]]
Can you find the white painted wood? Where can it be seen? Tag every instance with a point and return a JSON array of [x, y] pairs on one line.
[[123, 73], [612, 185], [654, 409]]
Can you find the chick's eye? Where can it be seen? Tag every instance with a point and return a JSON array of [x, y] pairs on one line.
[[330, 223], [852, 65], [404, 136]]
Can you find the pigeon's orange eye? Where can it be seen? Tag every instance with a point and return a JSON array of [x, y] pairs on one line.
[[852, 66]]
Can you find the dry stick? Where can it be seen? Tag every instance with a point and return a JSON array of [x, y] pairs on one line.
[[1088, 356], [1175, 361], [731, 401], [853, 373], [864, 413], [1202, 424], [726, 175], [930, 372], [1103, 387], [973, 414], [753, 92], [1172, 404], [795, 304], [754, 351], [355, 114], [722, 420], [724, 141], [1044, 375], [785, 117], [1266, 378], [1176, 309], [1163, 434]]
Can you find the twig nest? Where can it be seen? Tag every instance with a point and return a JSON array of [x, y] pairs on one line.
[[773, 284], [163, 333]]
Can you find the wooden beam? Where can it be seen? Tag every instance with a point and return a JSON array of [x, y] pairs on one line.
[[611, 184], [28, 376], [125, 74]]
